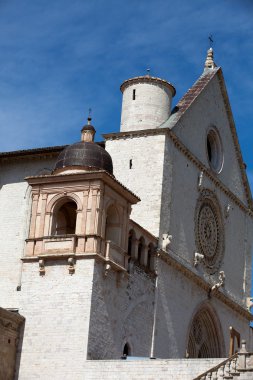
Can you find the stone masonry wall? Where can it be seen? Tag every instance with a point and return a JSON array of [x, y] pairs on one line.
[[10, 323], [180, 195], [209, 111], [56, 308], [144, 178], [178, 301], [150, 108], [122, 310], [15, 201]]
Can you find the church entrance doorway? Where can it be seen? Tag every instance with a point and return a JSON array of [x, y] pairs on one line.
[[205, 335]]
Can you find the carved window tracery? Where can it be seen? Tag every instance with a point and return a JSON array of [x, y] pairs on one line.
[[204, 341], [209, 231]]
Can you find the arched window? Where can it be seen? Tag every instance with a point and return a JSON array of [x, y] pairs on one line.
[[150, 253], [64, 219], [131, 239], [141, 246], [126, 350], [112, 228], [205, 335]]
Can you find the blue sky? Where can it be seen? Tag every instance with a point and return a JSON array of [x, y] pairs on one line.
[[59, 58]]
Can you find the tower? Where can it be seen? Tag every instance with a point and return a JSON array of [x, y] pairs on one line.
[[138, 149], [146, 103]]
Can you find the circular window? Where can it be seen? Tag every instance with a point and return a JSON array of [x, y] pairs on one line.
[[209, 231], [214, 150]]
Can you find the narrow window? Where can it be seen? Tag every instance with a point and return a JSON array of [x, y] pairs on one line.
[[149, 258], [130, 164], [140, 250], [209, 149], [126, 350], [134, 92]]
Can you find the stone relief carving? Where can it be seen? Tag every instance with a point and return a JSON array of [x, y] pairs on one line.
[[209, 231]]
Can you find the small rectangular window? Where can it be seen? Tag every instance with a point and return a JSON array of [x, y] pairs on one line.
[[134, 92], [130, 164]]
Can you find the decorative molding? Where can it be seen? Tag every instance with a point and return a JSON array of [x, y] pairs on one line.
[[171, 259], [235, 138], [57, 198], [209, 230], [212, 177]]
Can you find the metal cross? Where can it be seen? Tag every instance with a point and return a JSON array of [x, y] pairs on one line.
[[210, 40]]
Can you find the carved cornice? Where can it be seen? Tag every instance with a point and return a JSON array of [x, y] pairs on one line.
[[208, 173], [131, 134], [148, 79], [235, 137], [96, 175], [171, 259], [180, 146]]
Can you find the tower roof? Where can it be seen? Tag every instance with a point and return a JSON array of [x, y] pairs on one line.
[[85, 154], [148, 79]]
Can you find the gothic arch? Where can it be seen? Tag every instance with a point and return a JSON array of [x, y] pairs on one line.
[[205, 338]]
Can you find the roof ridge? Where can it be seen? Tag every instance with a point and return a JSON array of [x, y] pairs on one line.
[[189, 97]]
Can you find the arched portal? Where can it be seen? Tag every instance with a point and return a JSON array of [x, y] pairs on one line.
[[64, 218], [205, 335]]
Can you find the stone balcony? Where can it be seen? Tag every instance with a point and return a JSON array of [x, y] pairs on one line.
[[75, 246], [116, 256]]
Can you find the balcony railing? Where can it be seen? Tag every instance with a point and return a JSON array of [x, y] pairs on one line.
[[115, 254], [57, 245]]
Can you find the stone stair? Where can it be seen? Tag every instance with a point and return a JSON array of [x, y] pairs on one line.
[[239, 366]]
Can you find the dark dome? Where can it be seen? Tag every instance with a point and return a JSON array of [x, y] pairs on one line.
[[87, 155]]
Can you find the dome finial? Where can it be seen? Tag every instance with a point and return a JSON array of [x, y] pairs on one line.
[[88, 131], [210, 64]]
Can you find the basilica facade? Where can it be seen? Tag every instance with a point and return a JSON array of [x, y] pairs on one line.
[[138, 246]]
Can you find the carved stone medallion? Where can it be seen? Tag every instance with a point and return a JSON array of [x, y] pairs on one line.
[[209, 232]]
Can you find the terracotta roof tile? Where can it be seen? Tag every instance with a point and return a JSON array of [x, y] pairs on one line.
[[189, 97]]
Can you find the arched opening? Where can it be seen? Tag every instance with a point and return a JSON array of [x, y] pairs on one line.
[[126, 350], [214, 150], [141, 246], [150, 256], [112, 227], [204, 337], [64, 219], [131, 239]]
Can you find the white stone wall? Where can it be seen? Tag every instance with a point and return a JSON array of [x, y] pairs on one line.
[[57, 312], [144, 178], [150, 108], [181, 192], [15, 201], [122, 310], [209, 110], [178, 301]]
